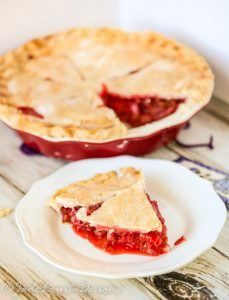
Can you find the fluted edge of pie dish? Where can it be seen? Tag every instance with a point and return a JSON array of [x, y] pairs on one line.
[[76, 150]]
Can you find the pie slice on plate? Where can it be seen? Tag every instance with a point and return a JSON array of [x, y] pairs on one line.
[[113, 211]]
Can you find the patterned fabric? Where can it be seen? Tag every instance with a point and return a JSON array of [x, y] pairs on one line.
[[219, 179]]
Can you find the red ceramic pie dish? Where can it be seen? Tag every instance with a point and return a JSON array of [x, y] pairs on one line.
[[73, 150]]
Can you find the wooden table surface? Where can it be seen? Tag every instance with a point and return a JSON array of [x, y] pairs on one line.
[[23, 275]]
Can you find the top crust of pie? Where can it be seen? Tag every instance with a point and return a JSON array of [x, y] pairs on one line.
[[61, 75], [130, 210], [122, 194], [96, 189]]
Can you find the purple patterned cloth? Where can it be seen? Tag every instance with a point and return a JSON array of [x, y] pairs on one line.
[[218, 178]]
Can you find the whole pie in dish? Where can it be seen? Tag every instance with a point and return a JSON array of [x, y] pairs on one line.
[[113, 211], [101, 92]]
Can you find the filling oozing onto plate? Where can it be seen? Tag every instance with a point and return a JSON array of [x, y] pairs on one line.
[[113, 211]]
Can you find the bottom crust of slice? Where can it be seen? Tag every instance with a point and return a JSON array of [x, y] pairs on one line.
[[119, 241]]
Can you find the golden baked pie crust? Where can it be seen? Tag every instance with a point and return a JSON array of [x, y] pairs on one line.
[[96, 189], [122, 194], [72, 66], [130, 210]]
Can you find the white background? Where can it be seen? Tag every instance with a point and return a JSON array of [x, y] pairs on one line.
[[202, 24]]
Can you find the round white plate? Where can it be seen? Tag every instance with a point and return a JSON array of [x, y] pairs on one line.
[[188, 203]]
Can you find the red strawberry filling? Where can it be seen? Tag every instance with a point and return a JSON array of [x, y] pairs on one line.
[[26, 110], [137, 110], [118, 241]]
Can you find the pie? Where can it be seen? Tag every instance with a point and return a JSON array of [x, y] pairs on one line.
[[113, 211], [101, 85]]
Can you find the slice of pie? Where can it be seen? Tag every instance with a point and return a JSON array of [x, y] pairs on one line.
[[113, 211]]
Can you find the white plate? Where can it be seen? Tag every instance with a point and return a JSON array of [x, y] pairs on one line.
[[188, 203]]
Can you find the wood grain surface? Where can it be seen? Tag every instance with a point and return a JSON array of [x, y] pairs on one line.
[[23, 275]]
